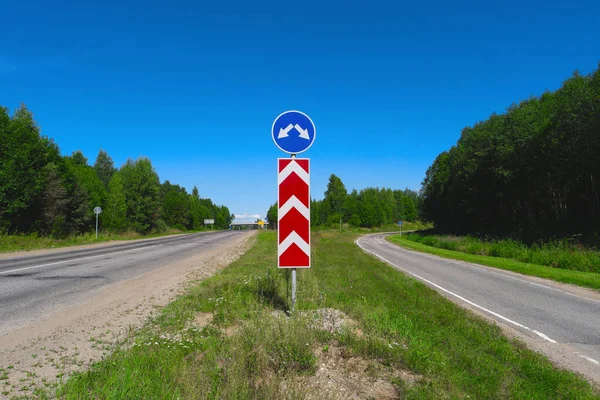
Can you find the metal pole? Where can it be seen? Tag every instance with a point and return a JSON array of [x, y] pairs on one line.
[[96, 226], [400, 230], [293, 289], [293, 278]]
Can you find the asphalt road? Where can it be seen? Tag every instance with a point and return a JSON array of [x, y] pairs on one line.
[[32, 286], [567, 319]]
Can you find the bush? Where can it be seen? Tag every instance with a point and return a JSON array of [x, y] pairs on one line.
[[160, 226], [179, 227]]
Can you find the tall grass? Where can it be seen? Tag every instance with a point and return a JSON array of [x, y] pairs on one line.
[[406, 226], [565, 253]]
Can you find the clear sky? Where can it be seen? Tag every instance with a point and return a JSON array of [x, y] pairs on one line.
[[195, 85]]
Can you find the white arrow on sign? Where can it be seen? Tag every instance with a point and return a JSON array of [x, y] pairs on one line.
[[293, 168], [293, 202], [293, 238], [283, 132]]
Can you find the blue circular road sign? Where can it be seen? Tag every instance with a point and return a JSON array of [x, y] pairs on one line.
[[293, 132]]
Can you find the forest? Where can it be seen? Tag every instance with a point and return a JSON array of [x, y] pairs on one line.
[[369, 208], [531, 173], [45, 193]]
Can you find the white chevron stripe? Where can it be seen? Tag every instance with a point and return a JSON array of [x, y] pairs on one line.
[[293, 238], [293, 202], [293, 167]]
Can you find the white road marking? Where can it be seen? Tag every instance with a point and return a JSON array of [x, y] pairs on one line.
[[510, 321], [588, 359], [540, 334], [490, 270], [74, 259]]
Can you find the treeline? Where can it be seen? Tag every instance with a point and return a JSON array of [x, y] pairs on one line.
[[532, 172], [369, 208], [46, 193]]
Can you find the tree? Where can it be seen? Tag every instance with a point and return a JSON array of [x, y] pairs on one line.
[[335, 196], [89, 182], [272, 216], [77, 158], [24, 155], [105, 167], [5, 147], [175, 205], [315, 212], [531, 172], [141, 187], [410, 209], [115, 212], [195, 214], [55, 203], [351, 209], [46, 193], [368, 208]]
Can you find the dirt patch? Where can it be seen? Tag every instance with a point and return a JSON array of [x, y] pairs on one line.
[[340, 375], [202, 319], [330, 320], [47, 352]]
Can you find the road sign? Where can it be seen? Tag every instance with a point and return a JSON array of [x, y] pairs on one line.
[[400, 223], [209, 221], [261, 223], [293, 132], [97, 211], [294, 213]]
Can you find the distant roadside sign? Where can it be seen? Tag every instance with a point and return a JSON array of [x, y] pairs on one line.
[[97, 211], [261, 223], [400, 223], [209, 221]]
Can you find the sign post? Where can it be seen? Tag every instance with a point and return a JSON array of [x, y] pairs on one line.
[[400, 223], [210, 222], [97, 211], [293, 132]]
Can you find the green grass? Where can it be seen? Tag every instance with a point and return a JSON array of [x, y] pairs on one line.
[[12, 243], [246, 353], [564, 254], [585, 279], [406, 226]]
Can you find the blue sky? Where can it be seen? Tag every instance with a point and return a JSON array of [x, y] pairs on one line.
[[195, 86]]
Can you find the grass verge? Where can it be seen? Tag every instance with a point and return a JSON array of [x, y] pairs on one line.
[[229, 338], [12, 243], [585, 279], [406, 226], [565, 253]]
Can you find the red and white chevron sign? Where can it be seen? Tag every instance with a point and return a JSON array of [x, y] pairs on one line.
[[294, 213]]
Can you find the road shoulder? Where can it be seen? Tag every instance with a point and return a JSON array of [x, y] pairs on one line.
[[71, 339]]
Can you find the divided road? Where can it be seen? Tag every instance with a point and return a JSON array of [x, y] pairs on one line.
[[32, 286], [563, 320]]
